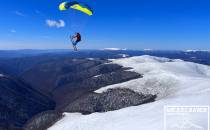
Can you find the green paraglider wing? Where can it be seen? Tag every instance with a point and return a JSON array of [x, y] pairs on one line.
[[77, 6]]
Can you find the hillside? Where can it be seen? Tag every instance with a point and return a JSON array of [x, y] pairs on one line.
[[66, 79], [19, 102]]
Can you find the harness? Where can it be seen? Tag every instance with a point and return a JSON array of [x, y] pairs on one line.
[[78, 38]]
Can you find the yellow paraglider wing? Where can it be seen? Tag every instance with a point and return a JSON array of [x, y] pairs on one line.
[[82, 9], [62, 6], [77, 6]]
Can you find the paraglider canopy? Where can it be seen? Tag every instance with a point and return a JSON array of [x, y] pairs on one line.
[[77, 6]]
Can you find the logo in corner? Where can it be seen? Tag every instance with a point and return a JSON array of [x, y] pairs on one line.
[[186, 118]]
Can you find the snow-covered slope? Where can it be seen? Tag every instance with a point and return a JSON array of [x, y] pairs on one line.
[[175, 82], [114, 49], [123, 55], [197, 51]]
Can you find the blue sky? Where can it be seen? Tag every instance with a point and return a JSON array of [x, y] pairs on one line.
[[133, 24]]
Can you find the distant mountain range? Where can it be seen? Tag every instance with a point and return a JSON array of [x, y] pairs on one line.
[[198, 56]]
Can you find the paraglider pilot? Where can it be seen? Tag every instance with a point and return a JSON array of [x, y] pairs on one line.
[[75, 40]]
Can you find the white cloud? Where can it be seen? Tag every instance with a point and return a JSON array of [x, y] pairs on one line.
[[57, 24], [13, 31], [19, 13]]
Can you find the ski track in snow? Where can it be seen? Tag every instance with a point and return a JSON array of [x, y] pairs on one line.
[[175, 82]]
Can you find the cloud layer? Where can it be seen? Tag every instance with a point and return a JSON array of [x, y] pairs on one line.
[[57, 24]]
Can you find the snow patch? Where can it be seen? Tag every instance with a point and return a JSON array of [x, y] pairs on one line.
[[148, 49], [97, 76], [90, 59], [123, 55]]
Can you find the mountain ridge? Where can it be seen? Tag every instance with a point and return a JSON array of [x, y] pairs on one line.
[[175, 82]]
